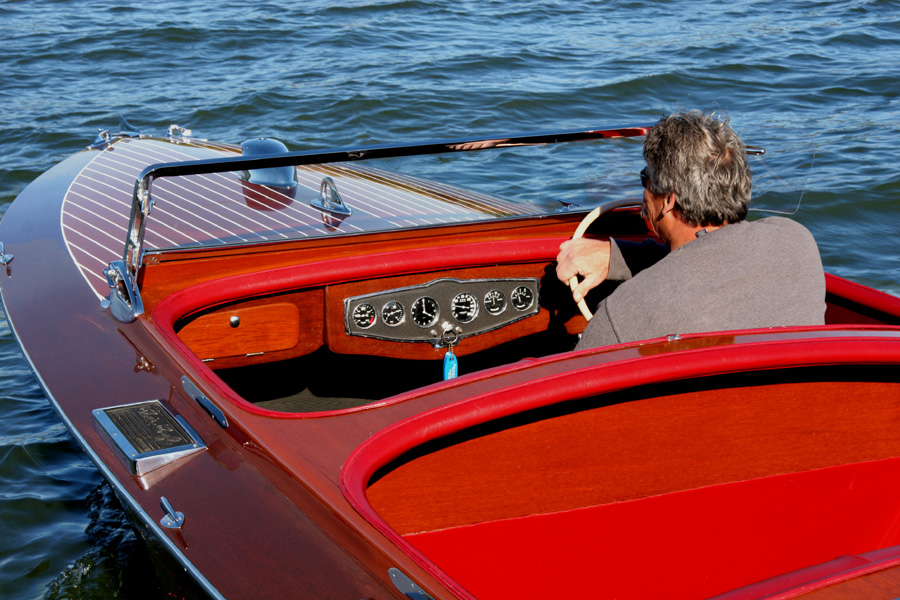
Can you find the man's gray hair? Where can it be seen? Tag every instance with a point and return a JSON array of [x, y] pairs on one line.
[[700, 159]]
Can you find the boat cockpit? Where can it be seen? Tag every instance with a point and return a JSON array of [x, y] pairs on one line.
[[312, 282]]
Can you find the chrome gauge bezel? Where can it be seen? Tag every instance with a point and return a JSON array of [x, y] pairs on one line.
[[393, 313], [425, 311], [364, 315], [466, 306], [495, 302], [522, 298]]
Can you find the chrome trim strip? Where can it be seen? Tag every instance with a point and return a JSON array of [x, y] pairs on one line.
[[121, 492]]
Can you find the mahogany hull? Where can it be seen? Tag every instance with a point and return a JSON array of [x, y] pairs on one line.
[[445, 482]]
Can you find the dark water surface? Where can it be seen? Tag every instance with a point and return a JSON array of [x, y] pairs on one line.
[[320, 74]]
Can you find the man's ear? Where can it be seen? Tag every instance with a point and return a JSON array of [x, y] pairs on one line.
[[669, 204]]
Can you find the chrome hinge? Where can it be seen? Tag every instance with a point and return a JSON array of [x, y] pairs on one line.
[[200, 398], [124, 302]]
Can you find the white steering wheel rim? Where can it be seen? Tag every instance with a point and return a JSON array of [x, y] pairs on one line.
[[579, 232]]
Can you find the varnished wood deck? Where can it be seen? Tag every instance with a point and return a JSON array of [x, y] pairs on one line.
[[220, 209]]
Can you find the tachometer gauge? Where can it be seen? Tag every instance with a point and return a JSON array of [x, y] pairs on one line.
[[464, 307], [425, 311], [392, 313], [495, 302], [522, 298], [364, 315]]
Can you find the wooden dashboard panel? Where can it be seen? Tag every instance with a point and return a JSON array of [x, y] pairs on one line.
[[284, 326]]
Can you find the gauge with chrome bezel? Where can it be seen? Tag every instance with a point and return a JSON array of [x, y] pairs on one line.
[[425, 311], [393, 313], [464, 307], [364, 315], [495, 302], [522, 297]]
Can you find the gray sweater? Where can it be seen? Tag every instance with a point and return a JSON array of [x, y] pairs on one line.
[[764, 273]]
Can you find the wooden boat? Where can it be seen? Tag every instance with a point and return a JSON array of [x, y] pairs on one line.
[[253, 365]]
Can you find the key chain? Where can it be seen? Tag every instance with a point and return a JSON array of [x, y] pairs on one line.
[[451, 365]]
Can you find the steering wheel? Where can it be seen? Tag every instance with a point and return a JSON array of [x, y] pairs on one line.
[[579, 232]]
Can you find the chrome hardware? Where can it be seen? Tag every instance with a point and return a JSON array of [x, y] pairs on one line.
[[755, 150], [177, 129], [173, 518], [104, 137], [280, 177], [329, 199], [124, 301], [406, 586], [234, 321], [194, 392], [449, 337], [147, 435], [5, 258], [101, 141], [143, 365]]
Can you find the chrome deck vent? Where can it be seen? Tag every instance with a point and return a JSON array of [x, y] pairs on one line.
[[148, 435]]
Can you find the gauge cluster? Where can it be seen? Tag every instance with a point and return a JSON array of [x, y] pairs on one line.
[[445, 307]]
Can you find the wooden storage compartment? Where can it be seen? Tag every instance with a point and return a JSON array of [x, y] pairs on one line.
[[257, 330]]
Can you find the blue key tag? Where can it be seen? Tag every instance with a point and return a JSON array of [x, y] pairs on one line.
[[451, 366]]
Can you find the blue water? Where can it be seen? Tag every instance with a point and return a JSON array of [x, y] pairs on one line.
[[320, 74]]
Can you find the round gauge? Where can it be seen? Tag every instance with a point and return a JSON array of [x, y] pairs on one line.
[[364, 315], [425, 311], [392, 313], [495, 302], [464, 307], [522, 298]]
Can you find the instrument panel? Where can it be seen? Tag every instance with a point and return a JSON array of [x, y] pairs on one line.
[[442, 311]]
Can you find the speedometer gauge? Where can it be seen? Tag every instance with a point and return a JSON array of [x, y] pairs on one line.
[[425, 311], [464, 307]]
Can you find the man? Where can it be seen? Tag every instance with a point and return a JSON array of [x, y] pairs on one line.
[[721, 272]]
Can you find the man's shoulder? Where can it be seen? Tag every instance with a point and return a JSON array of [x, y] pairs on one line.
[[779, 224], [783, 232]]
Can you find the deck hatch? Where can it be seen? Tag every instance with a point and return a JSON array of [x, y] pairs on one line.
[[148, 435]]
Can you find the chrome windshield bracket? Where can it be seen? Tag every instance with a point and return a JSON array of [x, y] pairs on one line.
[[330, 200], [124, 301]]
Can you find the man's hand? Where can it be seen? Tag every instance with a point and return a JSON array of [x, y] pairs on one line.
[[586, 257]]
